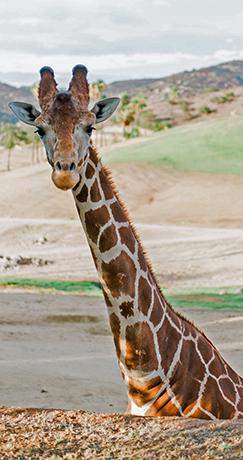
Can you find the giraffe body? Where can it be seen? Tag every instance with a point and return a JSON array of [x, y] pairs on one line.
[[170, 367]]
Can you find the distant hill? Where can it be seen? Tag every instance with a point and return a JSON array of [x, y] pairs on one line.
[[199, 93], [190, 83], [215, 91], [10, 93]]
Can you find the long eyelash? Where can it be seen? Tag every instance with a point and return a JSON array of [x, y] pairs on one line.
[[89, 129], [40, 131]]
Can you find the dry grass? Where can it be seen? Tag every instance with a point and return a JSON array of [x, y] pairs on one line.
[[57, 434]]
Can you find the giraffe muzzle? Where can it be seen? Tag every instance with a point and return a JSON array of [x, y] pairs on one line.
[[65, 174]]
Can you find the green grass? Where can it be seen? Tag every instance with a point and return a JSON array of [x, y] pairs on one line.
[[87, 287], [214, 146], [210, 301], [216, 299]]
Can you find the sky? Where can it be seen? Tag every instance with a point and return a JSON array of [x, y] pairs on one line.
[[116, 40]]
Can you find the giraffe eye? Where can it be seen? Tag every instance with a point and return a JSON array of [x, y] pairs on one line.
[[40, 131], [89, 129]]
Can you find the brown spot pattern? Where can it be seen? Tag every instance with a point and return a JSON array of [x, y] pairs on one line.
[[220, 407], [140, 350], [83, 194], [89, 171], [173, 316], [204, 348], [157, 311], [108, 238], [144, 295], [119, 275], [216, 367], [115, 327], [118, 212], [95, 192], [168, 338], [227, 388], [127, 238], [107, 300], [95, 219], [126, 309], [191, 360]]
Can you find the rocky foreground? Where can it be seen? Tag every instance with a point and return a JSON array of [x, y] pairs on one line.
[[57, 434]]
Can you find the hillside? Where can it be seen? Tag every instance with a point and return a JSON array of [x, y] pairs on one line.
[[213, 147], [214, 91], [11, 93], [218, 77]]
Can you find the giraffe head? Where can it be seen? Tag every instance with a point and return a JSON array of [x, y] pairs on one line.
[[65, 123]]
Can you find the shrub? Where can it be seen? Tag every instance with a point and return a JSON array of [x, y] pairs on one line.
[[206, 109]]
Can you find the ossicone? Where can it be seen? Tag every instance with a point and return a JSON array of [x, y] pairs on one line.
[[79, 86], [47, 87]]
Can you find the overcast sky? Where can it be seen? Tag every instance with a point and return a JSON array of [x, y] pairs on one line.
[[116, 40]]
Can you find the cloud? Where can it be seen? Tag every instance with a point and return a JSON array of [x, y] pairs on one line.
[[130, 39]]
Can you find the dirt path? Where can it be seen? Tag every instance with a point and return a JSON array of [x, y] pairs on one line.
[[56, 350]]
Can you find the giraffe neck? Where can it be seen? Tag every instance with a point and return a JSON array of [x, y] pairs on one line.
[[129, 287], [170, 367]]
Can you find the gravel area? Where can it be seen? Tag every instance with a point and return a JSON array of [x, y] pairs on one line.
[[41, 434]]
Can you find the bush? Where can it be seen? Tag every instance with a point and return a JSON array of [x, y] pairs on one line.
[[160, 125], [228, 97], [133, 133], [206, 109]]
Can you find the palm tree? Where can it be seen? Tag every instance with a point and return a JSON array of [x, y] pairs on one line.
[[126, 114], [10, 136], [139, 104], [97, 89]]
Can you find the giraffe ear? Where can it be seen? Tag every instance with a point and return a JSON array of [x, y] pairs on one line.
[[105, 108], [24, 112]]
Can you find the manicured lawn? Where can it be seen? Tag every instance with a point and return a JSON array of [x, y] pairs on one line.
[[213, 146]]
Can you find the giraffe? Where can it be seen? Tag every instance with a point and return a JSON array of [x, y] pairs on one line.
[[169, 366]]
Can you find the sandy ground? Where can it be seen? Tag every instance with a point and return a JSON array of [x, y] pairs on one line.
[[57, 351]]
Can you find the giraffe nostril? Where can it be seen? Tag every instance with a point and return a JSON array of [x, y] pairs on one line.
[[72, 166], [58, 166]]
